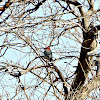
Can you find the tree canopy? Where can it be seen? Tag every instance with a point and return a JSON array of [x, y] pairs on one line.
[[70, 28]]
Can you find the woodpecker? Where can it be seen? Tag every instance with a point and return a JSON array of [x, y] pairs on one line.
[[48, 54]]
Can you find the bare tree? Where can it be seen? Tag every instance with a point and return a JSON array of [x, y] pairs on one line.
[[70, 28]]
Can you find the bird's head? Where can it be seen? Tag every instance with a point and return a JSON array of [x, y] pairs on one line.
[[47, 48]]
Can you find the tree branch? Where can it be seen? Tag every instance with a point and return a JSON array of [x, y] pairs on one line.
[[29, 11], [98, 27], [7, 4], [91, 4], [76, 3], [94, 84], [84, 65], [62, 79], [81, 10]]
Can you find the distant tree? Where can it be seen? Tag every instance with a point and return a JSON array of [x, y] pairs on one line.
[[70, 28]]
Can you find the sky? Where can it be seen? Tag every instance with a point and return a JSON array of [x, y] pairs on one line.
[[14, 56]]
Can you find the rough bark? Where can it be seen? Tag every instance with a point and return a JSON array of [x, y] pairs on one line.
[[89, 44]]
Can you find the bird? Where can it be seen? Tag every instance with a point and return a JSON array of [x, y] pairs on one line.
[[48, 54]]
